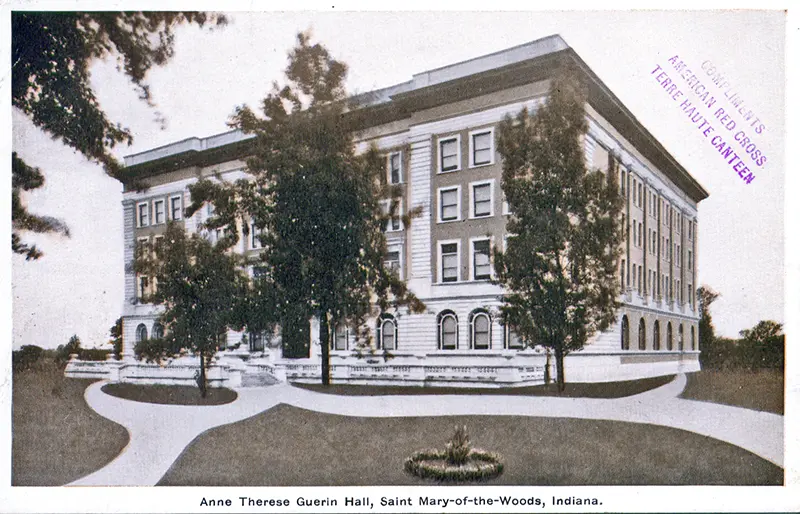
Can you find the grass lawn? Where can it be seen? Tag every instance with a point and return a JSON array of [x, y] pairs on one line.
[[575, 390], [170, 395], [56, 437], [287, 446], [760, 390]]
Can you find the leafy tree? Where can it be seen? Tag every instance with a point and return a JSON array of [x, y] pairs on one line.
[[763, 345], [199, 285], [63, 352], [51, 56], [116, 338], [711, 354], [559, 268], [317, 202]]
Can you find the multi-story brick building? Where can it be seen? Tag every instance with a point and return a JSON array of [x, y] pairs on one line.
[[438, 133]]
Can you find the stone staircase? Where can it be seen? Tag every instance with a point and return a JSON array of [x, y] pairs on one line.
[[260, 379]]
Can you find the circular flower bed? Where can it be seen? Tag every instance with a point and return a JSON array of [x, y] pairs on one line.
[[456, 463], [433, 464]]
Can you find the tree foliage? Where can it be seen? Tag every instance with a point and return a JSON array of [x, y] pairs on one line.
[[763, 346], [710, 349], [560, 265], [316, 202], [51, 56], [200, 286], [116, 338]]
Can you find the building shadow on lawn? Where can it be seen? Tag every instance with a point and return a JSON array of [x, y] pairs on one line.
[[56, 437], [758, 390], [619, 389], [288, 446]]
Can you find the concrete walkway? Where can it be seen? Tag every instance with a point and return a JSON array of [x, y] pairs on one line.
[[159, 433]]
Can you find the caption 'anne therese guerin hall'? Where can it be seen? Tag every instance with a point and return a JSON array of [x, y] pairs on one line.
[[438, 132]]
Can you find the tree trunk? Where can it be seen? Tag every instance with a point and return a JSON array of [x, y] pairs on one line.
[[560, 369], [324, 341], [202, 382], [547, 377]]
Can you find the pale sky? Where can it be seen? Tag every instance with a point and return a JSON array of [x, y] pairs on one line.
[[77, 287]]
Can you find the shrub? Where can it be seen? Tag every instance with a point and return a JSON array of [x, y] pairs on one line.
[[93, 354], [457, 448], [155, 350], [26, 356]]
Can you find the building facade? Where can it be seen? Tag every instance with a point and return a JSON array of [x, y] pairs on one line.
[[438, 132]]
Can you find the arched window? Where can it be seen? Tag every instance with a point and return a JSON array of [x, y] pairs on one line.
[[656, 336], [669, 335], [692, 331], [680, 337], [625, 341], [141, 333], [341, 337], [480, 330], [387, 332], [448, 330], [158, 331], [642, 335]]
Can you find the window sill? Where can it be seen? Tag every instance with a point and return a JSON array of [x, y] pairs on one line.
[[481, 165], [441, 222], [443, 172], [482, 216]]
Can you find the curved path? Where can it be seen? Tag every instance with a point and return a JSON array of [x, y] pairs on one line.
[[159, 433]]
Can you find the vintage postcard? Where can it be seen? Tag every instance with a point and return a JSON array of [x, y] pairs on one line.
[[334, 261]]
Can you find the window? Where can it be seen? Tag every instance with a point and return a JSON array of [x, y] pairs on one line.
[[622, 182], [691, 226], [481, 151], [622, 275], [450, 204], [656, 336], [641, 230], [394, 208], [448, 330], [143, 283], [669, 336], [481, 262], [640, 280], [641, 204], [449, 259], [480, 197], [449, 154], [642, 335], [395, 162], [511, 338], [159, 213], [633, 283], [259, 272], [480, 330], [689, 261], [158, 331], [690, 295], [678, 255], [392, 261], [255, 240], [143, 214], [341, 336], [680, 337], [175, 208], [625, 341], [692, 332], [141, 333], [387, 332]]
